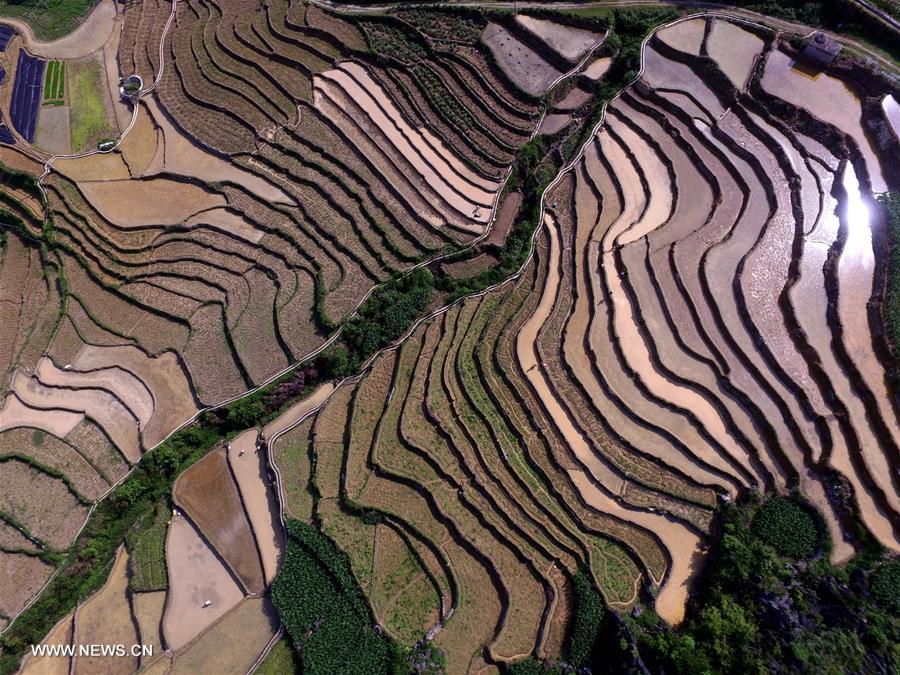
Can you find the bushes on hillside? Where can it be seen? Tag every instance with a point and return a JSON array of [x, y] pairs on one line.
[[387, 314], [786, 527], [586, 621], [885, 585]]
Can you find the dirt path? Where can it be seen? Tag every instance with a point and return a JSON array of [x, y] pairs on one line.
[[90, 36]]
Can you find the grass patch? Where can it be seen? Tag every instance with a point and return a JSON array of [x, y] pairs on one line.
[[90, 118], [49, 19], [886, 586], [280, 660]]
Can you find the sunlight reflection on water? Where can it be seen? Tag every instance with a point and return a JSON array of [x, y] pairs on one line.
[[858, 247]]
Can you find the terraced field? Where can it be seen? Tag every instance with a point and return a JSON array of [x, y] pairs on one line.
[[278, 173], [699, 317], [693, 324]]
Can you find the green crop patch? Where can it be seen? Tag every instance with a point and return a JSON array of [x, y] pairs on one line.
[[91, 120], [148, 552], [55, 83], [322, 608], [786, 527]]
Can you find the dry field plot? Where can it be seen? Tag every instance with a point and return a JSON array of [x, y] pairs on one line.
[[209, 495], [107, 615]]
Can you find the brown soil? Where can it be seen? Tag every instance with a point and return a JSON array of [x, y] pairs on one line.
[[570, 43], [681, 542], [60, 634], [195, 576], [524, 66], [140, 145], [228, 221], [148, 612], [184, 158], [52, 132], [16, 414], [506, 215], [257, 492], [155, 201], [433, 169], [553, 123], [20, 578], [297, 411], [734, 50], [108, 166], [127, 388], [597, 68], [576, 98], [161, 374], [43, 504], [685, 36], [234, 643], [12, 538], [464, 269], [208, 494], [100, 406], [52, 452]]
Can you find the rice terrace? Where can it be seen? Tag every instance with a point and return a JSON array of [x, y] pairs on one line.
[[449, 336]]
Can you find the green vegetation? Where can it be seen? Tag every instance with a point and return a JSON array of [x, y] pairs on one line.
[[90, 118], [323, 610], [450, 24], [281, 660], [758, 611], [392, 39], [586, 622], [786, 527], [55, 83], [890, 201], [147, 545], [49, 19], [383, 318], [886, 585], [589, 622]]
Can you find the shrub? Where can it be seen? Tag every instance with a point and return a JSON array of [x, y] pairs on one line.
[[586, 622], [885, 585], [786, 527], [322, 608]]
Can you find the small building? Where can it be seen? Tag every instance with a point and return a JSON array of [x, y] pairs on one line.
[[820, 51]]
